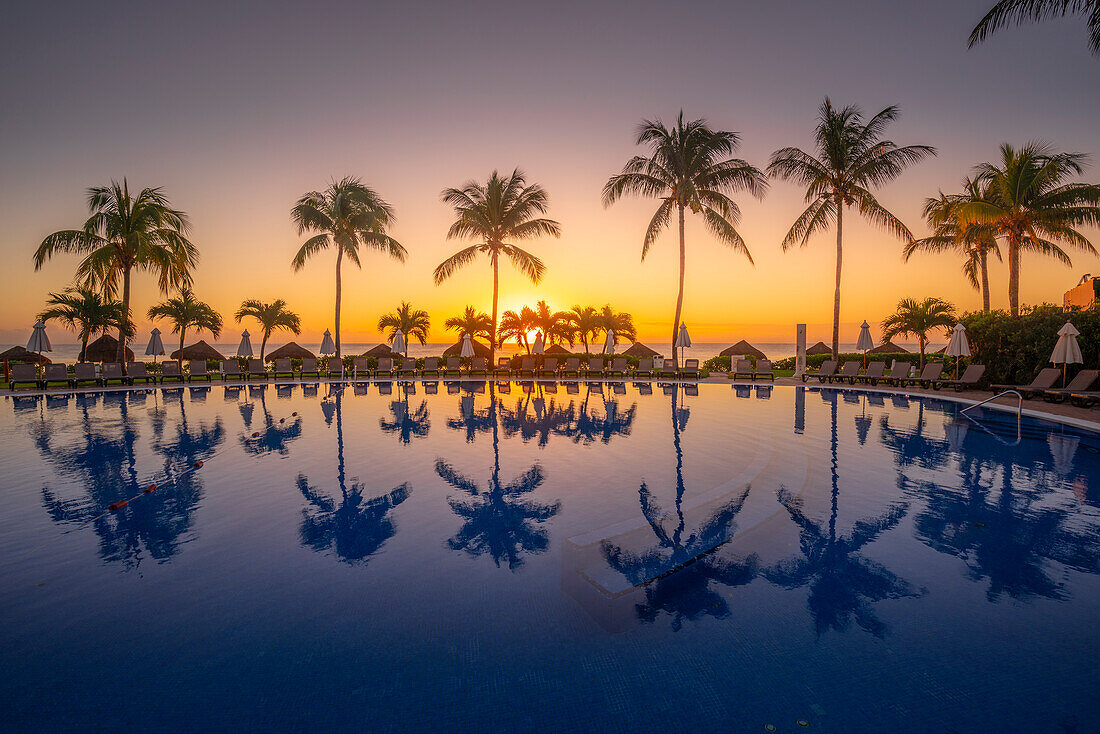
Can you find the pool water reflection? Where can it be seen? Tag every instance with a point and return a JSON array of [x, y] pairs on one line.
[[478, 555]]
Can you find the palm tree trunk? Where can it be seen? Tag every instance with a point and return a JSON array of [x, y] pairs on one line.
[[1014, 275], [983, 263], [263, 344], [923, 343], [680, 293], [125, 325], [339, 257], [183, 331], [84, 343], [496, 286], [836, 293]]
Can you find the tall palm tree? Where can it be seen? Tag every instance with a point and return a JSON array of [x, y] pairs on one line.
[[125, 232], [1030, 206], [473, 322], [919, 318], [347, 215], [414, 323], [555, 325], [271, 316], [586, 323], [85, 311], [186, 311], [493, 215], [852, 158], [517, 325], [973, 241], [1018, 12], [688, 167], [620, 323]]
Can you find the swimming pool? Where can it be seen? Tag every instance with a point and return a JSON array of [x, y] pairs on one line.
[[554, 557]]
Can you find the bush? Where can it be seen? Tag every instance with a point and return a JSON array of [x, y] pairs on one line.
[[1015, 348]]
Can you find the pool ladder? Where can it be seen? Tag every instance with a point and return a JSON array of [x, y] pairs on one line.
[[1019, 409]]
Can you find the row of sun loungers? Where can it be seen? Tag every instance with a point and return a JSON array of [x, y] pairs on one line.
[[900, 375]]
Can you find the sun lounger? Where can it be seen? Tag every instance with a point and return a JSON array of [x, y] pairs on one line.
[[549, 367], [452, 367], [360, 368], [742, 368], [1086, 399], [135, 371], [763, 370], [384, 368], [84, 372], [644, 368], [874, 372], [1043, 381], [283, 367], [572, 366], [691, 369], [168, 371], [504, 366], [309, 367], [23, 374], [848, 372], [56, 373], [970, 378], [618, 366], [526, 367], [899, 372], [1081, 383], [827, 370], [479, 366], [668, 369], [929, 375], [256, 369], [334, 367], [408, 366], [196, 370], [113, 371], [431, 364], [230, 368]]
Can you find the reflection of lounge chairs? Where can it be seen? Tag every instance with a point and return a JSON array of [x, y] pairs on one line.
[[875, 371], [742, 391], [135, 370], [763, 392], [763, 370], [85, 372], [1081, 383], [23, 374], [196, 370], [56, 373], [970, 378], [827, 370], [231, 368], [1043, 381]]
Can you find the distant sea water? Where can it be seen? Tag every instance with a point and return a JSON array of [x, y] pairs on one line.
[[68, 353]]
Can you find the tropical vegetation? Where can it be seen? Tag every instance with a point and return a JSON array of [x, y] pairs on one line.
[[187, 312], [586, 323], [554, 325], [271, 317], [85, 311], [517, 325], [918, 319], [688, 167], [1018, 12], [346, 216], [476, 323], [414, 323]]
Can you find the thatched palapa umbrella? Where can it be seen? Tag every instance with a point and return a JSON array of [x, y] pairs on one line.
[[743, 347], [105, 349], [20, 354], [637, 349], [455, 350], [887, 348], [819, 348], [290, 351], [198, 350], [382, 350], [557, 349]]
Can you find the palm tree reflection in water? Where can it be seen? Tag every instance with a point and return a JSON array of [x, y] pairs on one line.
[[406, 424], [500, 521], [273, 436], [679, 570], [354, 528]]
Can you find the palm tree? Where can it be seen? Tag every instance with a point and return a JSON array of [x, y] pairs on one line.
[[516, 326], [918, 318], [1030, 206], [503, 209], [556, 326], [618, 322], [1019, 12], [973, 241], [586, 323], [852, 158], [186, 312], [473, 322], [126, 232], [688, 168], [271, 316], [414, 323], [347, 215], [85, 311]]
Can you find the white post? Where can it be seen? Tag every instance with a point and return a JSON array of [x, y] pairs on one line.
[[800, 350]]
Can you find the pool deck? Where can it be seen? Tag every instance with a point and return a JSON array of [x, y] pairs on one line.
[[1086, 418]]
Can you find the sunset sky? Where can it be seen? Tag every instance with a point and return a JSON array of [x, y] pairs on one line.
[[238, 109]]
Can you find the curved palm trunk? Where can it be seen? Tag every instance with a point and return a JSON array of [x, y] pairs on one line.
[[183, 331], [1014, 275], [125, 325], [836, 293], [923, 344], [263, 344], [84, 335], [984, 265], [339, 257], [680, 293], [496, 286]]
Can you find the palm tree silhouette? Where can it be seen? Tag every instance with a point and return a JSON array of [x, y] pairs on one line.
[[406, 424], [274, 436], [499, 521], [843, 585], [681, 568]]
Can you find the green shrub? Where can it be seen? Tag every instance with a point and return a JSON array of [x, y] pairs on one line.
[[1015, 348]]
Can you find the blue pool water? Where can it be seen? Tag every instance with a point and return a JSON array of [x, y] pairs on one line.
[[552, 558]]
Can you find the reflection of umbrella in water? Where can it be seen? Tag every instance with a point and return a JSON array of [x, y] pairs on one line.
[[955, 431], [863, 424], [1062, 450]]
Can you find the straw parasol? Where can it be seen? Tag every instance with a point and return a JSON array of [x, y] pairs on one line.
[[819, 348], [105, 349], [20, 354], [637, 349], [887, 348], [290, 351], [245, 347], [382, 350], [198, 350], [1066, 351], [557, 349], [455, 350], [743, 347]]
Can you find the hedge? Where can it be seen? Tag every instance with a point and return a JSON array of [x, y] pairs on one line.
[[1015, 348]]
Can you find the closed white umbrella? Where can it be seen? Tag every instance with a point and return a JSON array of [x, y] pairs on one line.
[[1067, 351], [244, 349], [467, 346], [39, 342], [327, 345], [609, 343], [540, 344], [398, 342], [682, 340], [864, 342], [958, 346], [155, 346]]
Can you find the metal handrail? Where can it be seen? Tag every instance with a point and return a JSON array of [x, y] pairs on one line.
[[1019, 405]]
